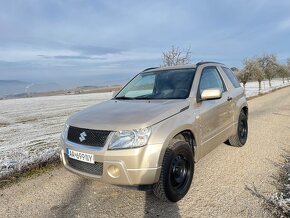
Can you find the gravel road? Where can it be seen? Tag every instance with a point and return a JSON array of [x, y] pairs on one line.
[[226, 182]]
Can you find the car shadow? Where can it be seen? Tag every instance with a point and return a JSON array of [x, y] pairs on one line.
[[110, 201], [154, 207], [71, 200]]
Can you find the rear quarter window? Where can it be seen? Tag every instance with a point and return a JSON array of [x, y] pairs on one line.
[[232, 77]]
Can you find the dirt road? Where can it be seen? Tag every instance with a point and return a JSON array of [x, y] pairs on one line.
[[224, 183]]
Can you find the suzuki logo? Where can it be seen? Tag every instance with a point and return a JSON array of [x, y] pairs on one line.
[[82, 136]]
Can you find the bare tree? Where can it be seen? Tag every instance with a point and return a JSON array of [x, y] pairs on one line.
[[288, 68], [283, 71], [256, 72], [176, 56], [245, 74], [269, 65]]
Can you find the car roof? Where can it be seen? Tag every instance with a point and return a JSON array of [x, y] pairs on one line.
[[186, 66]]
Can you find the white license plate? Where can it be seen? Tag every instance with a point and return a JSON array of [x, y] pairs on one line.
[[89, 158]]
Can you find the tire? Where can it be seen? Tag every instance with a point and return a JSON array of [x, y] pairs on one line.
[[240, 138], [176, 172]]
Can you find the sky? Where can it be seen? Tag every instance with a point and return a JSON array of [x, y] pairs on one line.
[[88, 42]]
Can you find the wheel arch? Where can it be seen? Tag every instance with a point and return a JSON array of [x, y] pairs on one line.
[[241, 105], [189, 138]]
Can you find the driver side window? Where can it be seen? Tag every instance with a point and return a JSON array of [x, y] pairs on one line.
[[211, 79]]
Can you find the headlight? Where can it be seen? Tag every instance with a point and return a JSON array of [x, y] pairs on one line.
[[130, 138], [64, 132]]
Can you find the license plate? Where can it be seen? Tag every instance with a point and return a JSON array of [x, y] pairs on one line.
[[80, 156]]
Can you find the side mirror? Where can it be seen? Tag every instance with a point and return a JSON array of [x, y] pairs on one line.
[[210, 94]]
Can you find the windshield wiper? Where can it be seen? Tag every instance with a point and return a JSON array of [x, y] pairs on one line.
[[124, 98], [143, 98]]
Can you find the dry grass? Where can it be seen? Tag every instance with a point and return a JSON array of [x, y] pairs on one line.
[[29, 172], [280, 201]]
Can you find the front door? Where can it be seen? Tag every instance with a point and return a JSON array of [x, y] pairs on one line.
[[215, 115]]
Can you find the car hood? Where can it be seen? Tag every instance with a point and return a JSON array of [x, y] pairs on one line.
[[126, 114]]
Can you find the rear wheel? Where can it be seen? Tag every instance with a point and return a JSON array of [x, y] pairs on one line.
[[240, 138], [176, 173]]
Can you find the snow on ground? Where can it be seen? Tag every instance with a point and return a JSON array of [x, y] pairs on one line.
[[252, 88], [30, 127]]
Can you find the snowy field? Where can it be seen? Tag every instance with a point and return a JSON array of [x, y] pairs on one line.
[[252, 88], [30, 127]]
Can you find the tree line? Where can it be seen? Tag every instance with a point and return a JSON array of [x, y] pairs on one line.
[[261, 68], [254, 69]]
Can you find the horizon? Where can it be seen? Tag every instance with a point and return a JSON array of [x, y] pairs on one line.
[[100, 42]]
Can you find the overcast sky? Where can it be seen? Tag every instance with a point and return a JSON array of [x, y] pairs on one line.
[[93, 41]]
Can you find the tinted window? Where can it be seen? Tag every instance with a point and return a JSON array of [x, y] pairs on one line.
[[211, 79], [232, 77]]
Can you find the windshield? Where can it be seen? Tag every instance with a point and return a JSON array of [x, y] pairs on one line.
[[165, 84]]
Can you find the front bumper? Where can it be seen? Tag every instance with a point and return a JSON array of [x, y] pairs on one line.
[[138, 166]]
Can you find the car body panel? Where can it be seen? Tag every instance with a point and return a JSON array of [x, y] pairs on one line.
[[126, 114]]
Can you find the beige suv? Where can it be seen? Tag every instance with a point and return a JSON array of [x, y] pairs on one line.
[[153, 131]]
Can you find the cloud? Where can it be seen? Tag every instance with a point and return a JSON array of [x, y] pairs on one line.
[[71, 57], [95, 50], [56, 38], [106, 57]]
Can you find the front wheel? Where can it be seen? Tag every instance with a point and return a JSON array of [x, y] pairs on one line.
[[241, 135], [176, 172]]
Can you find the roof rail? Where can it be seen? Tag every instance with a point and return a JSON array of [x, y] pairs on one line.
[[150, 68], [207, 62]]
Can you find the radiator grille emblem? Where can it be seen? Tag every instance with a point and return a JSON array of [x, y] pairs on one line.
[[82, 136]]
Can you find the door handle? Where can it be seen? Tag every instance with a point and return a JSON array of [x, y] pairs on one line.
[[230, 98]]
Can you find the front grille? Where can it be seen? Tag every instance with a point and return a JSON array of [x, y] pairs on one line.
[[94, 169], [87, 136]]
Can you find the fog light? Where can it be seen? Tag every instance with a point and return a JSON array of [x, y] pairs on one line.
[[114, 171]]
